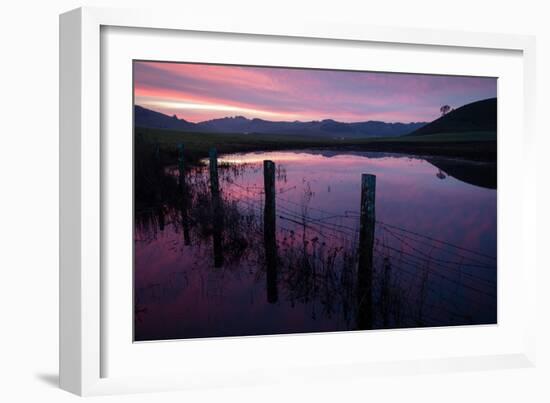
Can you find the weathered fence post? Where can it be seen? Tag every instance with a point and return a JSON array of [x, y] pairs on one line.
[[366, 245], [183, 193], [270, 240], [216, 209]]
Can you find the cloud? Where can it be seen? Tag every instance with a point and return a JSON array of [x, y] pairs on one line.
[[201, 91]]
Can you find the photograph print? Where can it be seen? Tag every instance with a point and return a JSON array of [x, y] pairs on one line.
[[274, 200]]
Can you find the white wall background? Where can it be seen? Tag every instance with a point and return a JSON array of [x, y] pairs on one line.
[[29, 201]]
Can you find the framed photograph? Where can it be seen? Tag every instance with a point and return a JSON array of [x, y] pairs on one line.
[[243, 202]]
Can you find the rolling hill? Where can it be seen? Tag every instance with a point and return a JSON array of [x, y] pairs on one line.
[[480, 116], [147, 118]]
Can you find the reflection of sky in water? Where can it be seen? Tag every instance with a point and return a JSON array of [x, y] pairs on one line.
[[185, 297], [408, 194]]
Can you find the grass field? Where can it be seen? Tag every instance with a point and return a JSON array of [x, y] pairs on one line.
[[472, 145], [446, 137]]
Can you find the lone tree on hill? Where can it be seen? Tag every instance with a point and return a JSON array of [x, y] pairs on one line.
[[444, 110]]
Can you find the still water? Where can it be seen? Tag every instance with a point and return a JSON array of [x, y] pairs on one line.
[[434, 252]]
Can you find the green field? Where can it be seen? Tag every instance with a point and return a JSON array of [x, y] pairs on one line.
[[471, 145]]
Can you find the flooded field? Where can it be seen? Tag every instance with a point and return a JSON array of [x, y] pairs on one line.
[[219, 256]]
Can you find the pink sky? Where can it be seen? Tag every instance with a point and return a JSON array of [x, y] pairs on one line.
[[198, 92]]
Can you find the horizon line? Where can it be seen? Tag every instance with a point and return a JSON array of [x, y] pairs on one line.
[[280, 121], [305, 121]]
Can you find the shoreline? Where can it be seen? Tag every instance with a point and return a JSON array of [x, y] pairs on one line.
[[198, 144]]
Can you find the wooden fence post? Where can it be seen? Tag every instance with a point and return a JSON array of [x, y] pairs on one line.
[[270, 240], [216, 209], [366, 244], [183, 193]]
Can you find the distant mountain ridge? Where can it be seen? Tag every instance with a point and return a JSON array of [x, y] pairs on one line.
[[477, 116], [144, 117], [148, 118]]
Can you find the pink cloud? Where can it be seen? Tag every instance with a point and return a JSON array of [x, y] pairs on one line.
[[301, 94]]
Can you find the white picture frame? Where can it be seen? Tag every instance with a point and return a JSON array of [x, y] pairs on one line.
[[85, 344]]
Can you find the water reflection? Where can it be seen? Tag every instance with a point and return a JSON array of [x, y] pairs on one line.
[[483, 174], [433, 247]]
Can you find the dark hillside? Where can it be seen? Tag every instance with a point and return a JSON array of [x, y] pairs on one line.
[[475, 117], [147, 118]]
